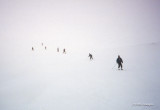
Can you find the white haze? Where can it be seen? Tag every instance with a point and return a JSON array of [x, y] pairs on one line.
[[47, 80]]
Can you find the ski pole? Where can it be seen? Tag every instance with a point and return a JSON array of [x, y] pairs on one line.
[[114, 65]]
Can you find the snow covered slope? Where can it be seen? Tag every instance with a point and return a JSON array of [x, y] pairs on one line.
[[47, 80]]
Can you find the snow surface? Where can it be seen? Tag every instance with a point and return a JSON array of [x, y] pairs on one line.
[[48, 80]]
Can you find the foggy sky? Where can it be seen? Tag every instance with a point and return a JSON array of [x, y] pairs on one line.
[[31, 79], [76, 23]]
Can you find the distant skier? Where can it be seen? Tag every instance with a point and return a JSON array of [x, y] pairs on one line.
[[45, 48], [32, 49], [64, 51], [57, 49], [90, 56], [119, 61], [42, 44]]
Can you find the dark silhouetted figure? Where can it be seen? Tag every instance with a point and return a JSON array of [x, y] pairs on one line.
[[64, 51], [32, 49], [57, 49], [42, 44], [119, 61], [45, 48], [90, 56]]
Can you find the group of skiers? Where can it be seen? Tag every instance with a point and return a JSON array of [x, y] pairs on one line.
[[64, 50], [44, 48], [119, 59]]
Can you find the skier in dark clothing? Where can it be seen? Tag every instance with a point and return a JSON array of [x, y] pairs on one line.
[[45, 48], [57, 49], [90, 56], [64, 51], [32, 49], [120, 61]]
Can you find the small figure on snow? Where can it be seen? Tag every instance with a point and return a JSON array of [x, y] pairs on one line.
[[64, 51], [42, 44], [90, 56], [119, 61], [57, 49], [32, 49], [45, 48]]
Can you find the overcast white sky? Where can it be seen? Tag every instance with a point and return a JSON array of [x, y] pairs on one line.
[[76, 23]]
